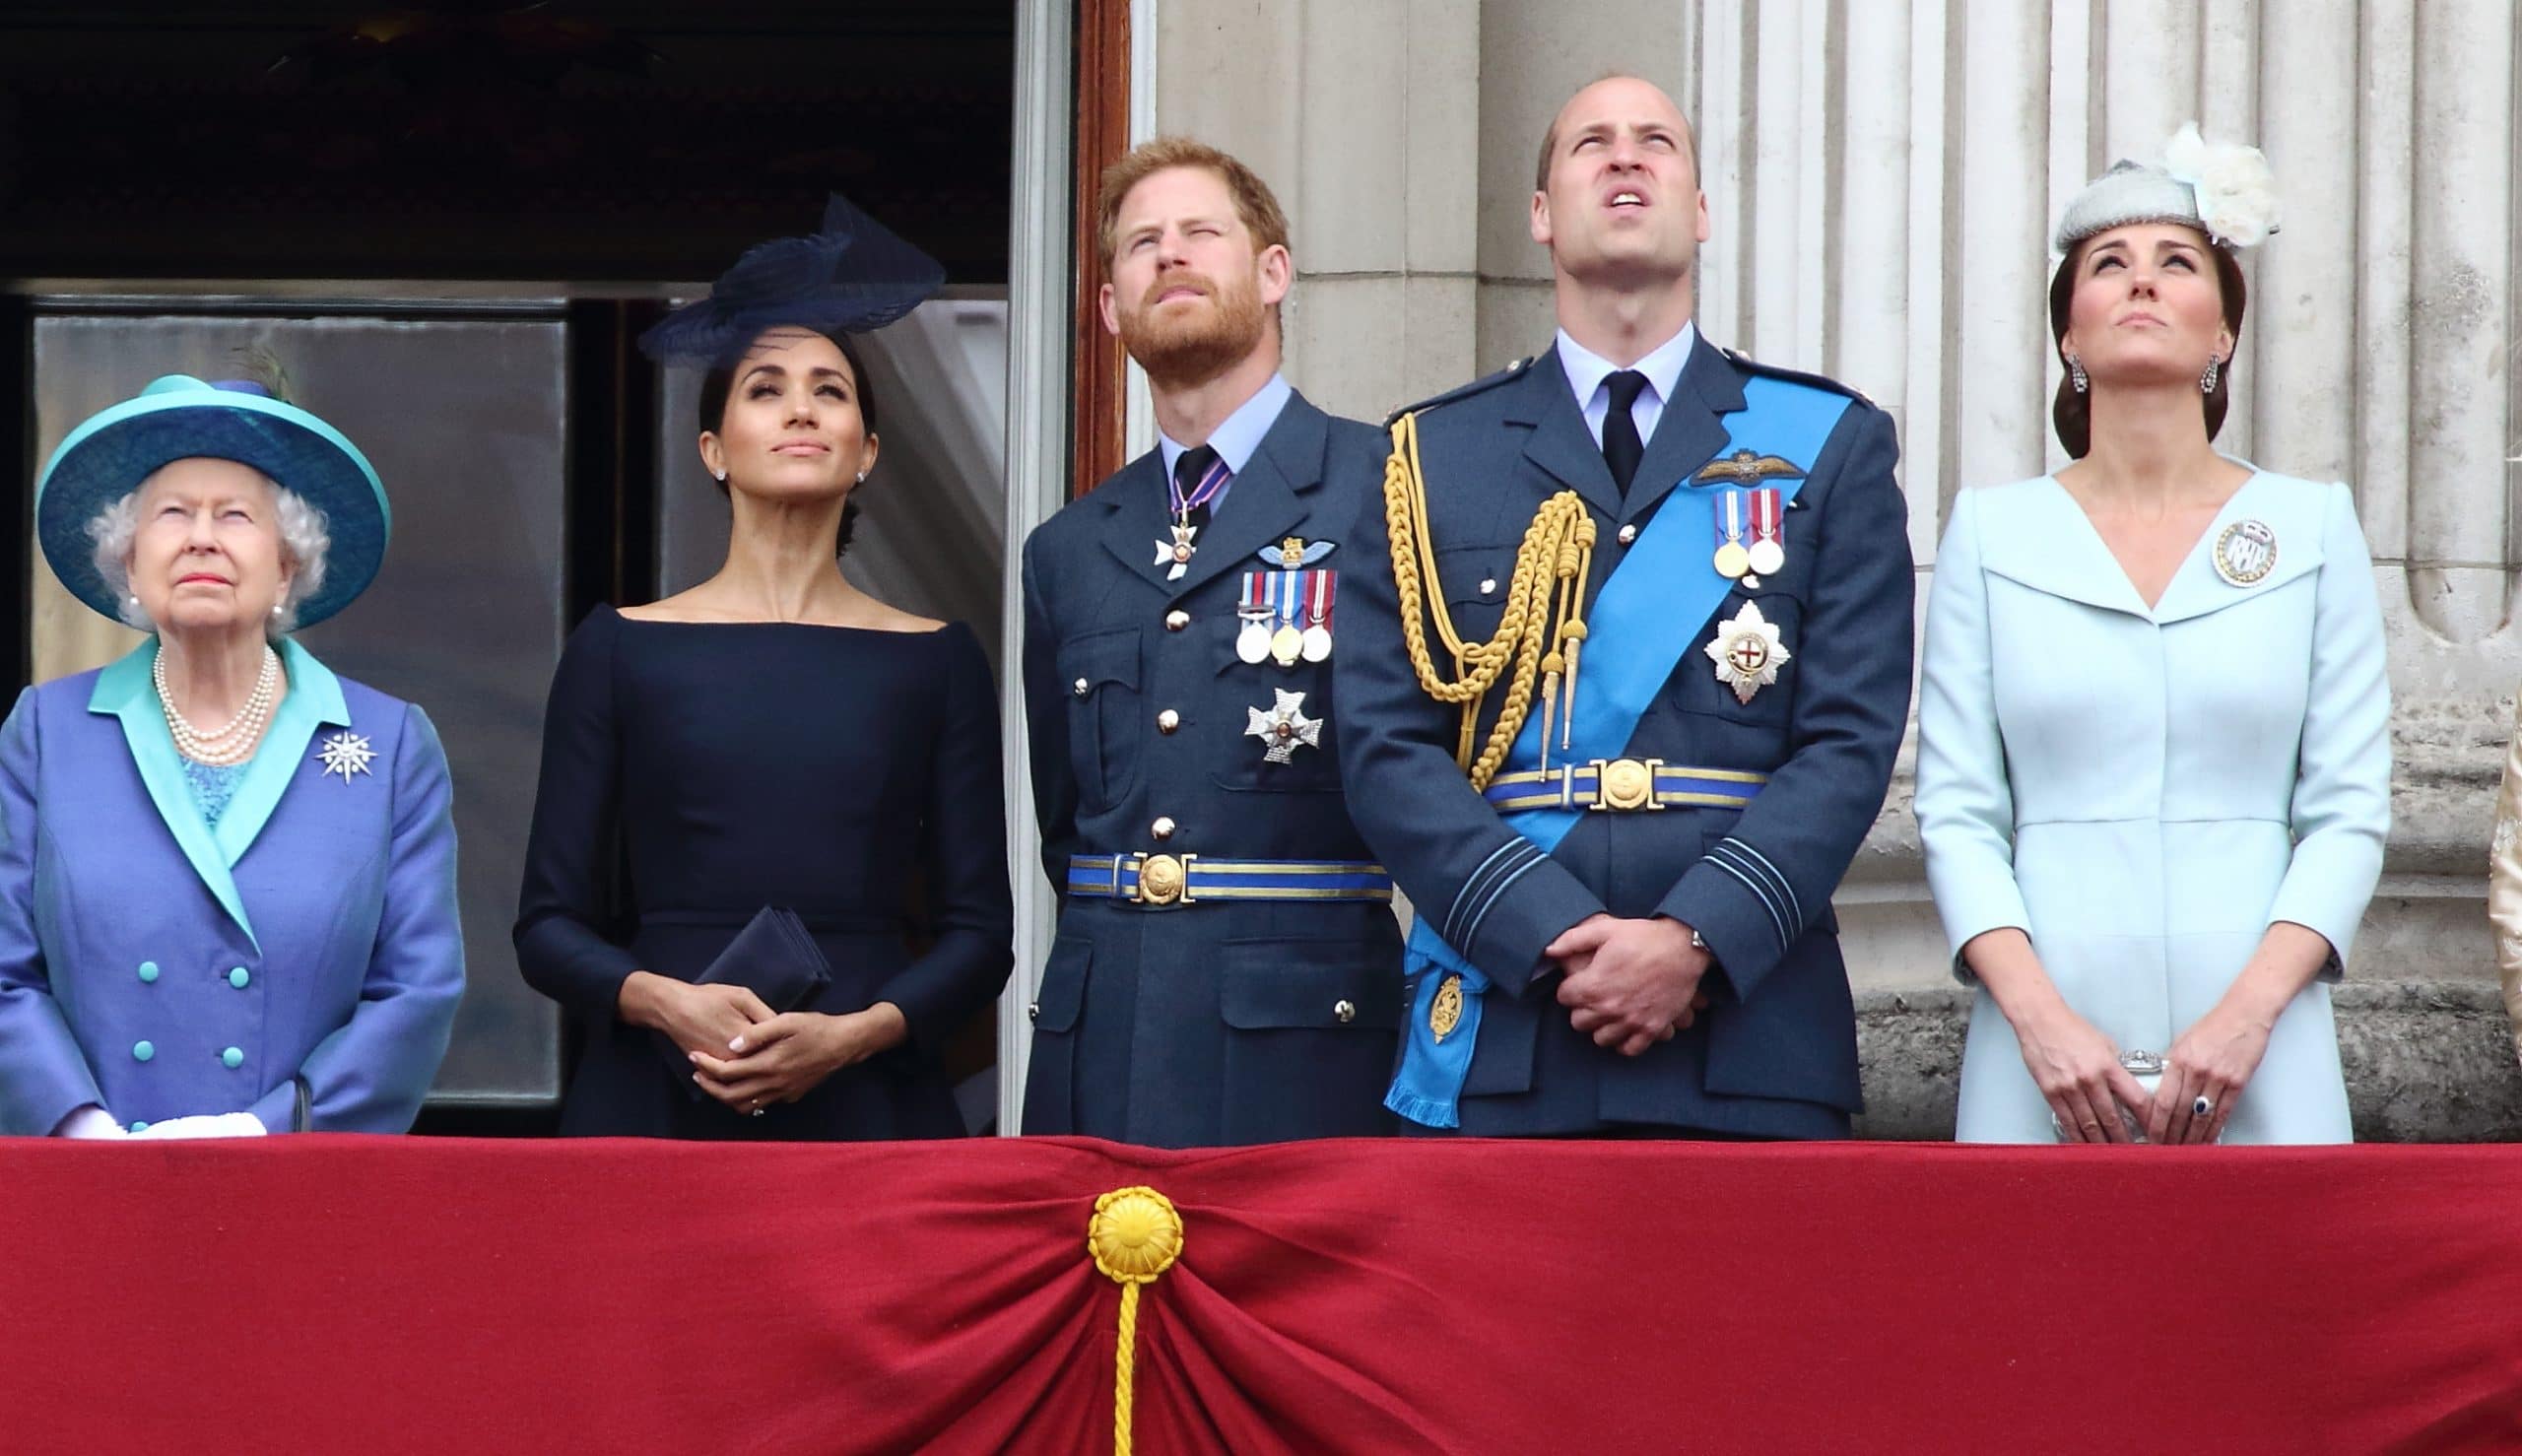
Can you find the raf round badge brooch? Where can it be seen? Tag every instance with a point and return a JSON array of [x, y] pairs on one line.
[[2245, 553]]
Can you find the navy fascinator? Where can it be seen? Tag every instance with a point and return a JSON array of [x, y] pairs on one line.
[[853, 275]]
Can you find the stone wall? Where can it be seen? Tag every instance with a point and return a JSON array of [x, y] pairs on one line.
[[1882, 177]]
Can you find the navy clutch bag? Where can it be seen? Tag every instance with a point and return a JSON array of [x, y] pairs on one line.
[[775, 957]]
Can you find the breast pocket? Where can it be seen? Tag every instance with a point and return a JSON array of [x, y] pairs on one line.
[[1760, 658], [1475, 582], [1101, 673]]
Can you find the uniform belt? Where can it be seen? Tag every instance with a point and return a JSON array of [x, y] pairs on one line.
[[1189, 879], [1623, 785]]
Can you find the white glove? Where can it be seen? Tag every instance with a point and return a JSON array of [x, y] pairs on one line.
[[90, 1121], [208, 1125]]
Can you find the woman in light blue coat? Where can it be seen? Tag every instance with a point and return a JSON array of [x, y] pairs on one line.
[[2154, 766], [226, 876]]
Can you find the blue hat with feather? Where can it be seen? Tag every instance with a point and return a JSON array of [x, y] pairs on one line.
[[182, 418], [853, 275]]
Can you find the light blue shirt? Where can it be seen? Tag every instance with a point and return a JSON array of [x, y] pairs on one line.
[[1586, 371], [1238, 436]]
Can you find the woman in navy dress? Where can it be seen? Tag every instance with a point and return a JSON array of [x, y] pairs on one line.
[[773, 736]]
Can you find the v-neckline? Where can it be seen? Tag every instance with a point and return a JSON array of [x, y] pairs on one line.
[[2152, 611]]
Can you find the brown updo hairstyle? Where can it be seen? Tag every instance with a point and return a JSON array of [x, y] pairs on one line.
[[720, 383], [2072, 413]]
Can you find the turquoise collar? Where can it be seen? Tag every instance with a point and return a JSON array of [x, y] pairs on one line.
[[313, 700]]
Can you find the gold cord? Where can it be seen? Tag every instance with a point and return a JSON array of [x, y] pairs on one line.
[[1537, 633]]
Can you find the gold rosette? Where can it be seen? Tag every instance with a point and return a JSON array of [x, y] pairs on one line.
[[1135, 1236]]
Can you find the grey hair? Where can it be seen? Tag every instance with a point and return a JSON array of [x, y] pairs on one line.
[[305, 539]]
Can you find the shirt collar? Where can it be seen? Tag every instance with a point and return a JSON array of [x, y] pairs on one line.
[[1240, 436], [1587, 369]]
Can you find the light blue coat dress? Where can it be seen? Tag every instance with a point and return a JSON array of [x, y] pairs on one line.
[[2144, 792], [301, 961]]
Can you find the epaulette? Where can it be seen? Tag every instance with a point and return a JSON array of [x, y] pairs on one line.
[[1464, 392], [1743, 361]]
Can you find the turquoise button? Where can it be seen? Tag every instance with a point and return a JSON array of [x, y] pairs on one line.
[[148, 972], [141, 1051], [231, 1058], [239, 977], [140, 1127]]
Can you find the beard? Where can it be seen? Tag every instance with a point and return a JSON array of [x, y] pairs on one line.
[[1201, 345]]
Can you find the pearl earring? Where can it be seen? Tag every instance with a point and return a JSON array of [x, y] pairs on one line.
[[278, 608], [2207, 381], [134, 600], [862, 476], [720, 476], [2076, 374]]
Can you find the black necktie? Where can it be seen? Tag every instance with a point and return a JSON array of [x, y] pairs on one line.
[[1622, 448], [1191, 473]]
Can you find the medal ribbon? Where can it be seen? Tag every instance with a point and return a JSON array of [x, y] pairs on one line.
[[1729, 515], [1212, 481], [1325, 585], [1768, 505]]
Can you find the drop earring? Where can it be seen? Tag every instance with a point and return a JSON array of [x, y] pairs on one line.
[[2207, 381], [2076, 374], [719, 475]]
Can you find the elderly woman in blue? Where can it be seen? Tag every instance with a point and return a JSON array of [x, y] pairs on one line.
[[2153, 769], [226, 876]]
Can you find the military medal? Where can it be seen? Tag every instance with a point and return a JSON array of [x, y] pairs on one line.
[[1320, 587], [2245, 553], [1730, 560], [1287, 645], [1285, 728], [1444, 1010], [1252, 639], [1747, 652], [1768, 552], [1177, 552]]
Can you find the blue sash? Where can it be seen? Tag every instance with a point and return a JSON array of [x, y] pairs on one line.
[[1631, 648]]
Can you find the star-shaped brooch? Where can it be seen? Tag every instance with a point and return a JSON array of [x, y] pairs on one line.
[[1285, 728], [346, 754], [1747, 652]]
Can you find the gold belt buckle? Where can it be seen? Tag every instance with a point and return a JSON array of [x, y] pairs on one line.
[[1625, 783], [1164, 879]]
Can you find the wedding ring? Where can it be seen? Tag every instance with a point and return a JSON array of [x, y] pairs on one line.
[[2202, 1107]]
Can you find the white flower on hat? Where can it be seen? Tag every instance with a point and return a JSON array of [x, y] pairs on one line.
[[2236, 190]]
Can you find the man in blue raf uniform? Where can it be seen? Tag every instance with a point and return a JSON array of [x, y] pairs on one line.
[[1622, 693], [1227, 964]]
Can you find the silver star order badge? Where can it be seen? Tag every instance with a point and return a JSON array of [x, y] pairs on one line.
[[346, 754], [1285, 728], [1747, 652]]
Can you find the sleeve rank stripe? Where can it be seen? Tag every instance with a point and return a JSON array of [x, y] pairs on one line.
[[1794, 902]]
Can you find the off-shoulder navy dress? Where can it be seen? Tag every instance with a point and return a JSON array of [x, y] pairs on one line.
[[734, 766]]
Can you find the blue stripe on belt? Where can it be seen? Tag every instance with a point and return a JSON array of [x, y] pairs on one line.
[[1189, 879], [1623, 785]]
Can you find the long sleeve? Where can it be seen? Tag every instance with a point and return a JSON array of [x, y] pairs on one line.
[[1965, 803], [2341, 809], [2504, 882], [1488, 890], [370, 1074], [1046, 729], [1773, 873], [963, 842], [561, 946], [44, 1076]]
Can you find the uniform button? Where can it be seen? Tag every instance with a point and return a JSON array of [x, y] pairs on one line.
[[232, 1058], [1033, 1011], [1163, 828], [1488, 584], [1628, 534], [141, 1051], [148, 972], [1176, 620], [1345, 1010], [239, 977], [1078, 687], [1167, 721]]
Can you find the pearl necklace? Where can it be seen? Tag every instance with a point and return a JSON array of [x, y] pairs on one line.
[[234, 742]]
